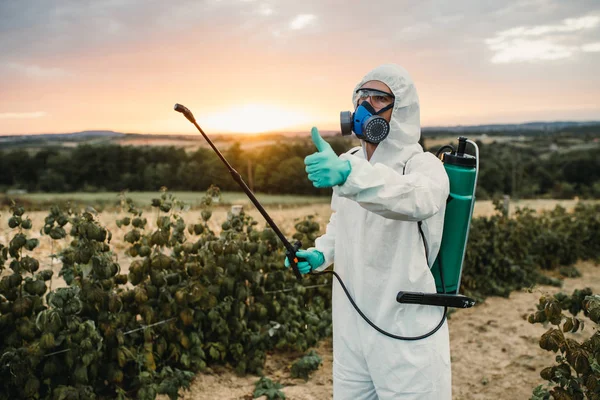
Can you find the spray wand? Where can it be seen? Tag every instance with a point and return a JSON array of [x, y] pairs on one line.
[[290, 248]]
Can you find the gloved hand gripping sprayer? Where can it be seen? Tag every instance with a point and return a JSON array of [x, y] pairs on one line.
[[463, 178]]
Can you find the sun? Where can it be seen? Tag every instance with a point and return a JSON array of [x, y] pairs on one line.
[[254, 118]]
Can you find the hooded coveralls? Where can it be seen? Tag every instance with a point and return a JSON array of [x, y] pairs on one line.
[[374, 239]]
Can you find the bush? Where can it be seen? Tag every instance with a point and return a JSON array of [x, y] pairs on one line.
[[506, 254], [193, 298], [190, 300], [266, 387], [576, 374], [306, 365]]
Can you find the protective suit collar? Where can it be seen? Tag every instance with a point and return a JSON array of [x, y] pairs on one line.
[[405, 124]]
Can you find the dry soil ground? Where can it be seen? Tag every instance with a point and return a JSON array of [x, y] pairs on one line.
[[495, 353]]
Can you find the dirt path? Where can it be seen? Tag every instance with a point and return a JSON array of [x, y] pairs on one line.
[[495, 353]]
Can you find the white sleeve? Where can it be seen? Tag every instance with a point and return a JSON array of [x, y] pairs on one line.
[[326, 243], [412, 197]]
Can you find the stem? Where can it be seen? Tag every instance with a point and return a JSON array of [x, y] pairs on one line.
[[290, 289], [51, 266], [21, 285], [57, 352], [126, 333], [149, 326]]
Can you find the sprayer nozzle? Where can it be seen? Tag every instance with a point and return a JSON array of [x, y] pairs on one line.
[[185, 111]]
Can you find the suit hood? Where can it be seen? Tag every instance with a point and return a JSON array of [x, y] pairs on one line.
[[405, 124]]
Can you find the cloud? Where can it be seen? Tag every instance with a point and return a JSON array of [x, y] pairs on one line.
[[67, 27], [265, 9], [35, 71], [541, 42], [26, 115], [591, 47], [297, 23], [519, 50], [302, 21], [568, 25]]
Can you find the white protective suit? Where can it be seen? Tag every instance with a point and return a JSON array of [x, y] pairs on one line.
[[374, 239]]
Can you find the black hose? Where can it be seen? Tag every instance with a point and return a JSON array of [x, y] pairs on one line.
[[378, 329], [448, 146]]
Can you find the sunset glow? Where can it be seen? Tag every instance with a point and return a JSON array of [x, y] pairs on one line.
[[254, 118]]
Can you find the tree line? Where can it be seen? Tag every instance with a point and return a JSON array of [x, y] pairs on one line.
[[553, 168]]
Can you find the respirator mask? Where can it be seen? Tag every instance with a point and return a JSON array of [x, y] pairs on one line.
[[365, 122]]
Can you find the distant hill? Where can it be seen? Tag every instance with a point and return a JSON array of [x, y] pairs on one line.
[[89, 134], [63, 136], [526, 129], [529, 126]]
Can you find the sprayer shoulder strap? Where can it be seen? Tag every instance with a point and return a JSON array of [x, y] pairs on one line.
[[419, 223]]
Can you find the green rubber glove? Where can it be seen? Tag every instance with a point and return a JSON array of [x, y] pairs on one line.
[[324, 168], [314, 259]]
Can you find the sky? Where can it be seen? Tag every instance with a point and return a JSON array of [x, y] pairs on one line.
[[282, 65]]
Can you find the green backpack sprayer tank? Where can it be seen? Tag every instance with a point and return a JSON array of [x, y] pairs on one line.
[[462, 172]]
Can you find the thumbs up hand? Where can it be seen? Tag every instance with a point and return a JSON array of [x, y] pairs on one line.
[[324, 168]]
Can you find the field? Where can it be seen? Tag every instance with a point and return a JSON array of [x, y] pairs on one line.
[[284, 210], [111, 200], [189, 141], [490, 359]]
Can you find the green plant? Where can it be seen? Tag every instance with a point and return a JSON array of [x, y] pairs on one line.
[[193, 298], [305, 365], [505, 254], [266, 387], [21, 300], [214, 192], [577, 372]]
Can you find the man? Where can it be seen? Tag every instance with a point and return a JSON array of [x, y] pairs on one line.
[[380, 192]]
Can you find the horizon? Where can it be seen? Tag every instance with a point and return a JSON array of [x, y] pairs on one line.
[[260, 66], [283, 132]]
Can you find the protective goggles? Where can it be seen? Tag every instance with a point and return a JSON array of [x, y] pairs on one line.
[[379, 98]]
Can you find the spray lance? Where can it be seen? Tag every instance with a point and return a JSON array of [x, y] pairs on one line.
[[444, 300], [290, 249]]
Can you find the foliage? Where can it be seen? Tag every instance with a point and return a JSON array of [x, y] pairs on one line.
[[266, 387], [114, 168], [557, 167], [577, 372], [191, 298], [307, 364], [506, 254], [214, 192], [548, 167], [21, 302]]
